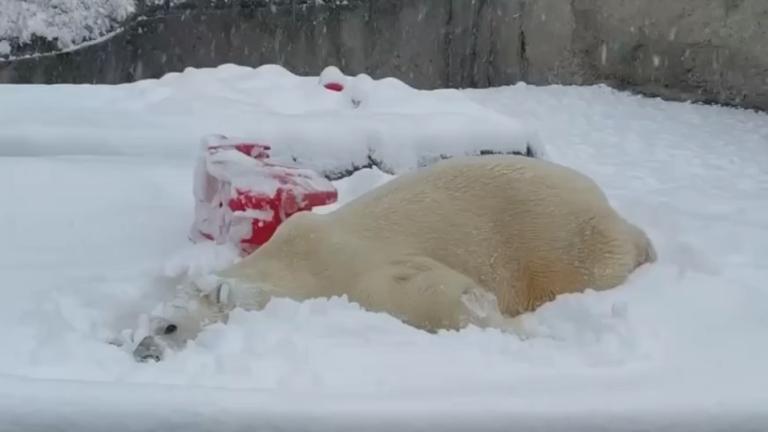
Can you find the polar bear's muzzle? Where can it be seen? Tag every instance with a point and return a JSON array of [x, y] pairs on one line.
[[148, 349], [155, 344]]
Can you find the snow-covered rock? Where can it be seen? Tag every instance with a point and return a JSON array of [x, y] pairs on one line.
[[65, 22]]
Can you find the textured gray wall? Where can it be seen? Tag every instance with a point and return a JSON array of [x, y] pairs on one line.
[[706, 50], [702, 50]]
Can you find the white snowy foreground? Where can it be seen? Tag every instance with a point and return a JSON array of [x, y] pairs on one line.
[[96, 190]]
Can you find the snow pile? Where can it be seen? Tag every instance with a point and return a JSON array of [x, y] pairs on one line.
[[97, 186], [394, 126], [65, 22]]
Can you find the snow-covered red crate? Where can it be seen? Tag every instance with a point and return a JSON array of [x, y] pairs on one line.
[[242, 196]]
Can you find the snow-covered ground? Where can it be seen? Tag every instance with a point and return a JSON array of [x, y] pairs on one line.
[[96, 185]]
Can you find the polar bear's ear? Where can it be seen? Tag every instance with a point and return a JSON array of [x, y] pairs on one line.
[[222, 293], [206, 284], [214, 290]]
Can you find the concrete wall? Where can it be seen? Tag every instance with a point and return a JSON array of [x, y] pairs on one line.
[[708, 50], [703, 50]]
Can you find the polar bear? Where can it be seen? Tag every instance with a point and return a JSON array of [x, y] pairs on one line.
[[469, 240]]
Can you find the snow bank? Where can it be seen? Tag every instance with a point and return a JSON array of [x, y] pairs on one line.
[[372, 122]]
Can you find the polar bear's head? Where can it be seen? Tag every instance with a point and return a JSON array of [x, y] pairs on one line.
[[290, 264], [179, 320]]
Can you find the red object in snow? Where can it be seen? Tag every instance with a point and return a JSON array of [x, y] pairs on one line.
[[334, 86], [242, 196]]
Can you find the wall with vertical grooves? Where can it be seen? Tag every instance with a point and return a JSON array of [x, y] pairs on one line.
[[701, 50]]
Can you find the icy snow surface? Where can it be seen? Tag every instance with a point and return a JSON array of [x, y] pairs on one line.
[[96, 184]]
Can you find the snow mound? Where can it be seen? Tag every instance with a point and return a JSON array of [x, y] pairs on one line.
[[392, 126]]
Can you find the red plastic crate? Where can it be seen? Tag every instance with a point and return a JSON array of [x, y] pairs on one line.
[[242, 196]]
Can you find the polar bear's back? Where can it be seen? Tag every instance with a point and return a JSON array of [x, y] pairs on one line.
[[476, 191], [486, 216]]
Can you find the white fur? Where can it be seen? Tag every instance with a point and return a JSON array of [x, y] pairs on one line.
[[433, 246]]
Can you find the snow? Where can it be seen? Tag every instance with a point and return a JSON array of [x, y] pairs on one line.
[[146, 119], [97, 189], [68, 24], [65, 22]]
